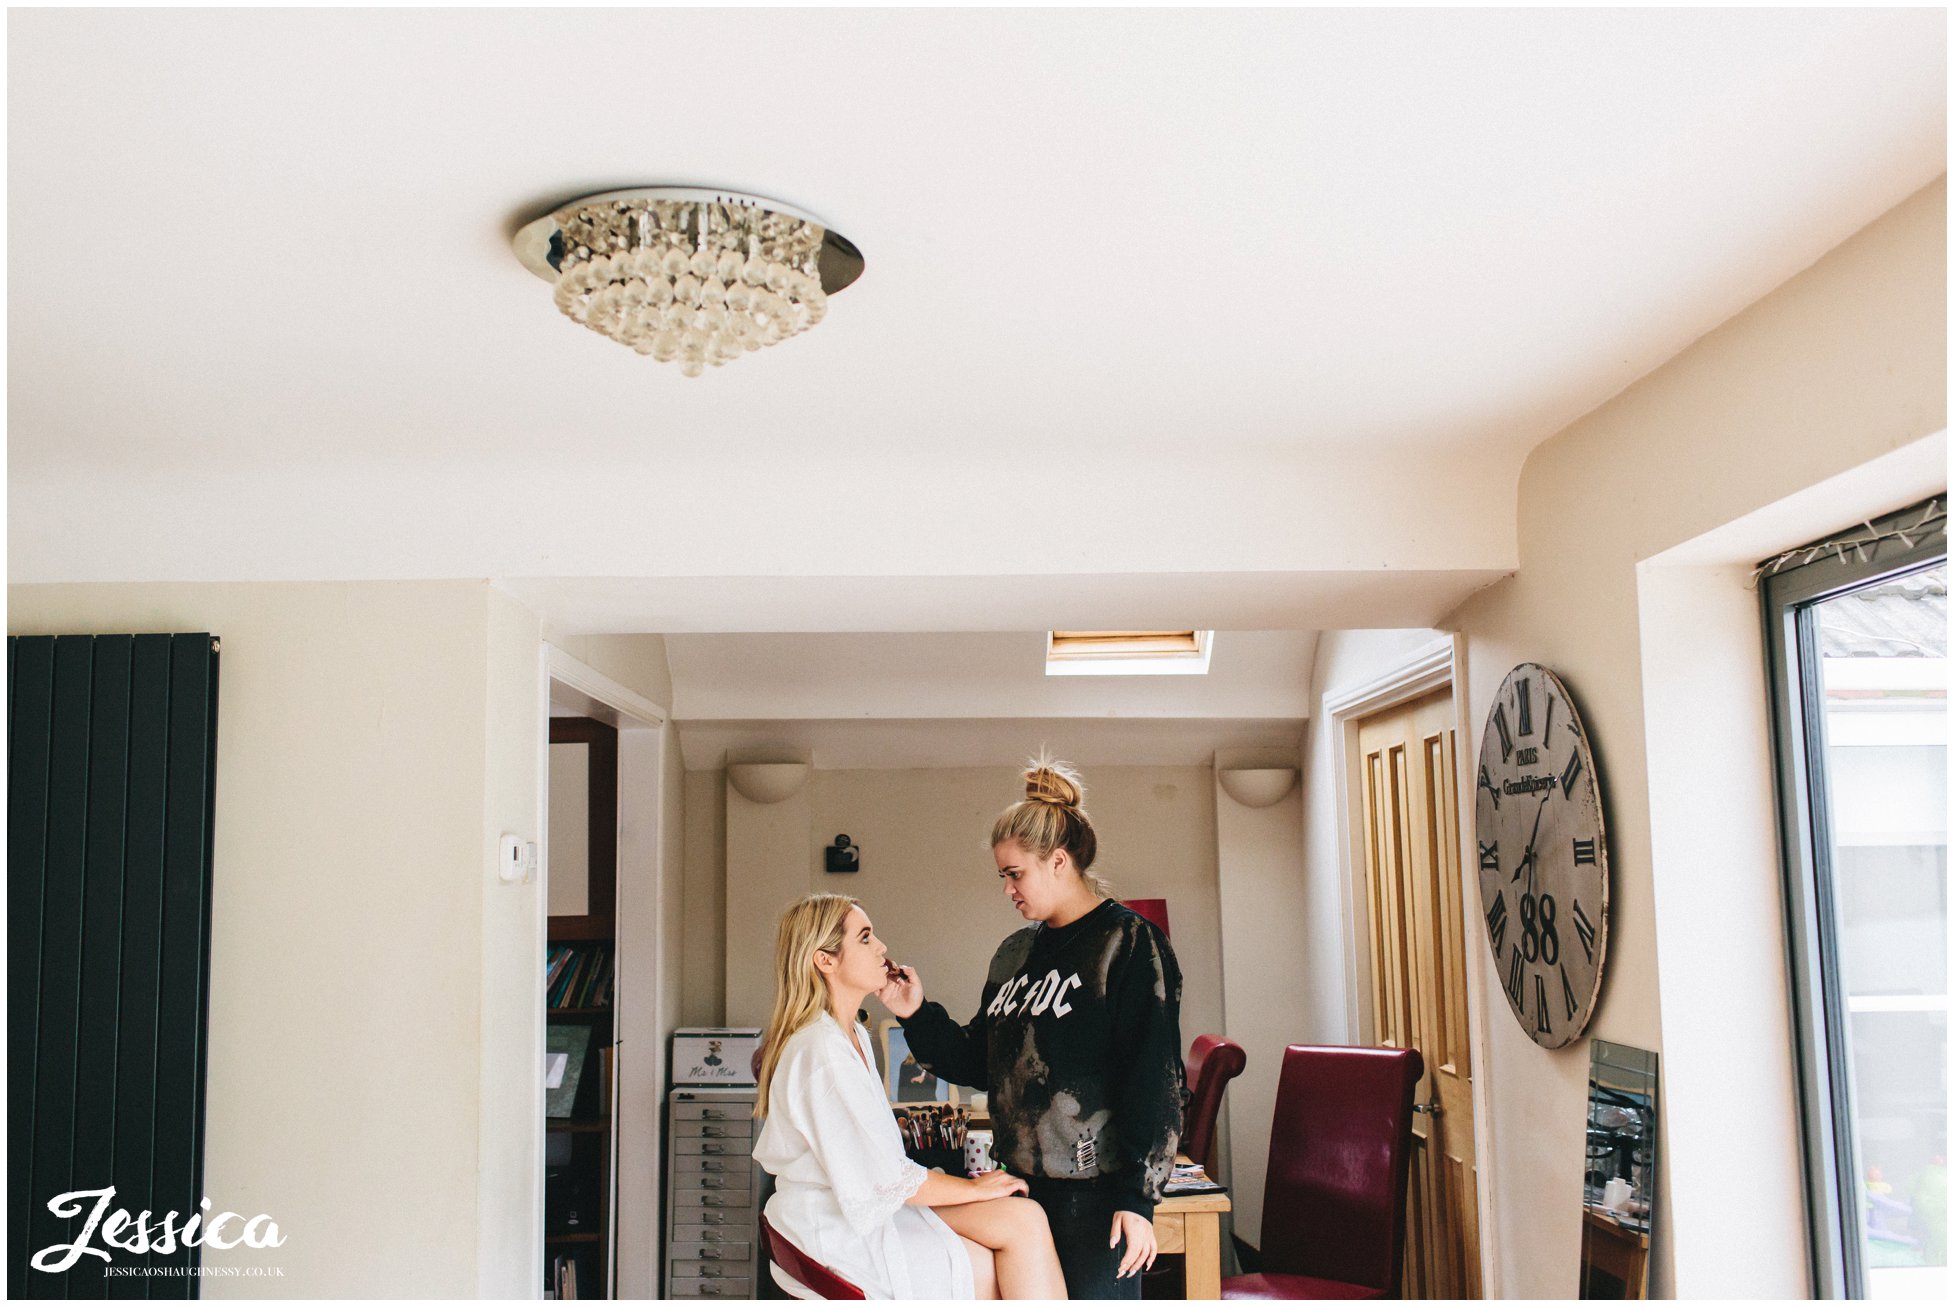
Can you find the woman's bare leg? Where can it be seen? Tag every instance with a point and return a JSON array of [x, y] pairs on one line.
[[983, 1269], [1016, 1231]]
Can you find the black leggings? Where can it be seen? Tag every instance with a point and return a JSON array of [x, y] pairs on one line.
[[1081, 1216]]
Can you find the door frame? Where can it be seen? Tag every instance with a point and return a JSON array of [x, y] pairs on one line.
[[1437, 665], [641, 818]]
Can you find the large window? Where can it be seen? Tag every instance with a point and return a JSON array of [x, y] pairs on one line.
[[1857, 630]]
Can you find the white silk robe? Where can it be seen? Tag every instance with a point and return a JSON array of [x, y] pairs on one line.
[[843, 1180]]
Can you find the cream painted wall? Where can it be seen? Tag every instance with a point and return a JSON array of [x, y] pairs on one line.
[[637, 662], [510, 1173], [569, 830], [766, 868], [647, 930], [1270, 956], [373, 741], [702, 968], [929, 882], [1841, 365]]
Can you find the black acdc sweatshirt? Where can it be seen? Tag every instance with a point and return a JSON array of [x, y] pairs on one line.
[[1077, 1040]]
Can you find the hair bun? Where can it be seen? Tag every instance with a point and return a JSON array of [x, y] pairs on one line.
[[1046, 781]]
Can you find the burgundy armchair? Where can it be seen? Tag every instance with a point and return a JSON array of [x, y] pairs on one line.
[[1212, 1062], [1333, 1215]]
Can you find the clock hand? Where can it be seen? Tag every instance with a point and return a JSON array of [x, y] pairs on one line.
[[1527, 859]]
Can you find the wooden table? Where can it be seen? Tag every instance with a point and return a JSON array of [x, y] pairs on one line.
[[1614, 1250], [1190, 1224]]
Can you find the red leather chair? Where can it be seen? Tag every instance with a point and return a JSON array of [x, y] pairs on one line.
[[1211, 1064], [1333, 1215], [799, 1275]]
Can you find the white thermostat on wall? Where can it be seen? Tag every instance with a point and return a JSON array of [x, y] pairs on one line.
[[515, 859]]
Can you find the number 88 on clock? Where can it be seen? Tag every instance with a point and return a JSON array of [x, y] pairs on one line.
[[1542, 855]]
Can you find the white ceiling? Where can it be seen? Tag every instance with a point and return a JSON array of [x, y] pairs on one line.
[[1251, 674], [1163, 308], [949, 699]]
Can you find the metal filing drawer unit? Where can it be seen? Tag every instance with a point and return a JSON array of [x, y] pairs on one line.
[[712, 1196]]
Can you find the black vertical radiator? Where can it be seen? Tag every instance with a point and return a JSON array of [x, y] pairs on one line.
[[111, 744]]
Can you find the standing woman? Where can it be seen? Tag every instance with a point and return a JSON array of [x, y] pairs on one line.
[[1076, 1039]]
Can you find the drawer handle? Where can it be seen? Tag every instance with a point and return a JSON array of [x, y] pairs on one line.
[[712, 1148], [714, 1200], [712, 1114], [712, 1132]]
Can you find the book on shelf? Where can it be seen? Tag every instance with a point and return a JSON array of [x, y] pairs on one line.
[[563, 1278], [578, 976]]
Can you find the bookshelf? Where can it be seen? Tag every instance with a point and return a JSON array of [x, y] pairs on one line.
[[579, 996]]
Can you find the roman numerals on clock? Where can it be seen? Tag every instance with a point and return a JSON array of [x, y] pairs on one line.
[[1516, 979], [1570, 774], [1584, 931], [1496, 922]]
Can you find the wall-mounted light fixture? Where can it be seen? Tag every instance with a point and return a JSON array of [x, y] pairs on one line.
[[766, 782], [1258, 787]]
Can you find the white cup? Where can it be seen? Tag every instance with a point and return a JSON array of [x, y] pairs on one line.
[[1615, 1196], [978, 1155]]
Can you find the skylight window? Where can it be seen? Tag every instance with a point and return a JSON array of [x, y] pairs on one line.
[[1128, 653]]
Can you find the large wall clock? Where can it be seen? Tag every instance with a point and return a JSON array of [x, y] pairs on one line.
[[1543, 855]]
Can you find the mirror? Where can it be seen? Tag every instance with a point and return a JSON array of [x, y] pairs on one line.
[[582, 861], [569, 887], [1618, 1186]]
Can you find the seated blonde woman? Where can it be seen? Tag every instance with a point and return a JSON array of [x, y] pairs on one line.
[[847, 1195]]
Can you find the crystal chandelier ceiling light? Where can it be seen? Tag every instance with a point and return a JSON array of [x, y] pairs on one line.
[[695, 277]]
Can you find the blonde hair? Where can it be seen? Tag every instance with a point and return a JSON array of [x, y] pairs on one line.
[[1050, 818], [800, 995]]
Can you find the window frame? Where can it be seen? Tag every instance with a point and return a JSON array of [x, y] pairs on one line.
[[1791, 595]]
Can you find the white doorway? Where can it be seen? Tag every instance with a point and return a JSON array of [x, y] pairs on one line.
[[571, 688]]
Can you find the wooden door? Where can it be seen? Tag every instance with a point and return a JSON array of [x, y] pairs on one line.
[[1418, 967]]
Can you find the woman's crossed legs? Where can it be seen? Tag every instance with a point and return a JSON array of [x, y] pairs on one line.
[[1010, 1248]]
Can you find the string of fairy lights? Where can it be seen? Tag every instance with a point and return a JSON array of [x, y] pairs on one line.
[[1847, 547]]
